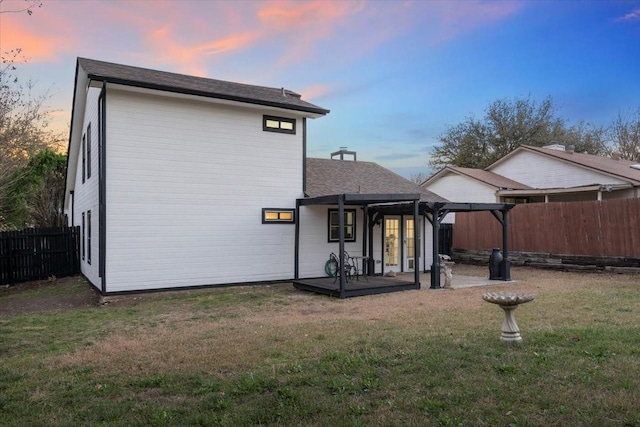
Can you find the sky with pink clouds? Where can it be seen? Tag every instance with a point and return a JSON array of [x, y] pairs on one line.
[[394, 74]]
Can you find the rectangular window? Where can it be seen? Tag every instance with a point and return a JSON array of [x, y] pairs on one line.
[[287, 216], [278, 124], [84, 157], [89, 151], [349, 225], [89, 237], [83, 245]]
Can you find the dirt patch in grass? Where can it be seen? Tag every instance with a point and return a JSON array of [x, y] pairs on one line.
[[68, 293]]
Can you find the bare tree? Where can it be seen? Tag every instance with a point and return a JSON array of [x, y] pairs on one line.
[[28, 6], [419, 177], [624, 134], [507, 124]]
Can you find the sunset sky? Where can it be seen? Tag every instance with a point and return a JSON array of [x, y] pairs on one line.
[[393, 73]]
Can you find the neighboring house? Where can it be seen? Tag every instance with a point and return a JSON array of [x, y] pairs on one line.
[[533, 174], [470, 185], [179, 181]]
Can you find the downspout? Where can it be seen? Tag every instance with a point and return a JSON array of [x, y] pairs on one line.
[[341, 244], [102, 188], [73, 204], [416, 246], [304, 155]]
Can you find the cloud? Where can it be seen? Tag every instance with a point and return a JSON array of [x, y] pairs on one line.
[[634, 15], [36, 37], [191, 57], [303, 25], [318, 91]]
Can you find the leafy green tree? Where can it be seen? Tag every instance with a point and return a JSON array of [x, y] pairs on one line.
[[24, 131], [507, 124], [37, 192]]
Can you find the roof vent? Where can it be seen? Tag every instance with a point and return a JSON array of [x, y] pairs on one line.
[[616, 155], [570, 148], [554, 146], [342, 152]]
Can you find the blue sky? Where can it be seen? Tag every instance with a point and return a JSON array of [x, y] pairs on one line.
[[394, 74]]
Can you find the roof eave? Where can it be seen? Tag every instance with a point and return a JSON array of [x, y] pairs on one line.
[[318, 112], [77, 118]]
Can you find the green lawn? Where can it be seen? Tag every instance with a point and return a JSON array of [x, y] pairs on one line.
[[271, 355]]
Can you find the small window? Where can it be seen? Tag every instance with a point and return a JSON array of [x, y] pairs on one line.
[[279, 124], [349, 225], [89, 151], [84, 157], [83, 243], [278, 216], [89, 237]]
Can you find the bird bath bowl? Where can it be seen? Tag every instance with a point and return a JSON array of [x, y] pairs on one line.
[[508, 301]]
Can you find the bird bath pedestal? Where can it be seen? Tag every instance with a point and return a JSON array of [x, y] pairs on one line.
[[508, 301]]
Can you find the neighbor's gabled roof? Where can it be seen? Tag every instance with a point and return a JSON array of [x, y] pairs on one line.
[[200, 86], [330, 177], [486, 177], [618, 168]]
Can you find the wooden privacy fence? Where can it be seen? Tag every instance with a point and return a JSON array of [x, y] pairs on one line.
[[38, 253], [606, 228]]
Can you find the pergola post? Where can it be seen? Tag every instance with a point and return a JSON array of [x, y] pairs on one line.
[[296, 260], [435, 265], [371, 266]]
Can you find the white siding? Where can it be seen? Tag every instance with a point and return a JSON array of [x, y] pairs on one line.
[[539, 171], [315, 247], [459, 188], [86, 194], [186, 184]]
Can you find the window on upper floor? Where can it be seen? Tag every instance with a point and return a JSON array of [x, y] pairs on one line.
[[84, 157], [349, 225], [89, 151], [278, 124], [278, 216]]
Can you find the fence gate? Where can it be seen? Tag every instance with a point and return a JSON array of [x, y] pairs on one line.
[[38, 253]]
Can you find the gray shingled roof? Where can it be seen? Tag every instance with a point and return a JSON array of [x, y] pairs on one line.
[[180, 83], [327, 177], [490, 178]]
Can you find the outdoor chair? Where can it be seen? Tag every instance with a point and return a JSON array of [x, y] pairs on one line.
[[347, 267]]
